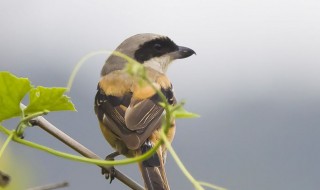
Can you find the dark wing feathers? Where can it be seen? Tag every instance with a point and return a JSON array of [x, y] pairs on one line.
[[140, 113], [109, 106], [126, 116]]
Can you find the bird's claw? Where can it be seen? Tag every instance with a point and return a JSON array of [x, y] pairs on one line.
[[109, 174]]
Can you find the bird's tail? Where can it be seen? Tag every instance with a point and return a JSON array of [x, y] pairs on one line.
[[153, 171]]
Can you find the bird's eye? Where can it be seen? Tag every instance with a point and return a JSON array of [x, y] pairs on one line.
[[157, 47]]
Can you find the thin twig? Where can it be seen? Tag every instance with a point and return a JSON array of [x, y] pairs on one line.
[[66, 139], [51, 186]]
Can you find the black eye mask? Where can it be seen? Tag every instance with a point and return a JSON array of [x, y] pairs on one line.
[[155, 48]]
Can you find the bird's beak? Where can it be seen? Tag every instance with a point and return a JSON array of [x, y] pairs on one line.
[[182, 52]]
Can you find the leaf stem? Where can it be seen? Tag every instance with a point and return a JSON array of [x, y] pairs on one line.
[[5, 144], [179, 162], [14, 137], [33, 115], [80, 63], [5, 130], [25, 119], [211, 185], [166, 105], [87, 160]]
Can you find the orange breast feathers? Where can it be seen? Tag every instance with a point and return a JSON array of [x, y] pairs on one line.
[[118, 83]]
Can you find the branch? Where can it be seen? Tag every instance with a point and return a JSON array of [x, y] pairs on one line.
[[50, 186], [66, 139]]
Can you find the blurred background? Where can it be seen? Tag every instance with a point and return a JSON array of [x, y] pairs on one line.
[[255, 82]]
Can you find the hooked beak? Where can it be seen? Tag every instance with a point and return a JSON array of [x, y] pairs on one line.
[[182, 52]]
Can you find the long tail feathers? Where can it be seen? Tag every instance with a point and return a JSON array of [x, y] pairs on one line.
[[154, 177], [153, 171]]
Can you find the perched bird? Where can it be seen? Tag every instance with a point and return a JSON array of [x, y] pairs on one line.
[[129, 114]]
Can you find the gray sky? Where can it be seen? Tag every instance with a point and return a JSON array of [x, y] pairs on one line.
[[255, 82]]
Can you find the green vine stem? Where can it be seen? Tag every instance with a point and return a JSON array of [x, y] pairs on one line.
[[197, 184], [16, 138], [80, 63], [179, 163], [6, 143], [211, 185], [24, 122]]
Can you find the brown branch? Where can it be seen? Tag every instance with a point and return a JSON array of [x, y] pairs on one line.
[[50, 186], [66, 139]]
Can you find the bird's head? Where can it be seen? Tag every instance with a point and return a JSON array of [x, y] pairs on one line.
[[151, 50]]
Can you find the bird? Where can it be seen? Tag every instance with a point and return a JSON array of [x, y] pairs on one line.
[[129, 114]]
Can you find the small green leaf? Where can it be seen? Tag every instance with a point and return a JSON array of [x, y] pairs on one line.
[[180, 112], [12, 91], [44, 99]]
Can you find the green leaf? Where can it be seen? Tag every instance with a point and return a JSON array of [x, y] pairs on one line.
[[44, 99], [179, 112], [12, 91]]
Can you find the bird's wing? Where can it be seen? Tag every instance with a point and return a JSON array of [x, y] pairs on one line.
[[146, 113], [110, 111], [131, 119], [142, 114]]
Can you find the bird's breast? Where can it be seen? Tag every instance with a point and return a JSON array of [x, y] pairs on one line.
[[119, 83]]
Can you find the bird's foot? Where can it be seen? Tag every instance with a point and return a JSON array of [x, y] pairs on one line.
[[110, 174]]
